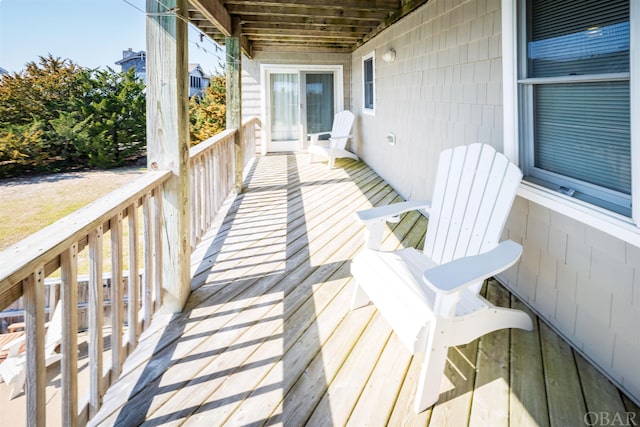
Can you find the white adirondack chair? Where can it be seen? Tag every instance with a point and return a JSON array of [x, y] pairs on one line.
[[12, 370], [430, 298], [334, 147]]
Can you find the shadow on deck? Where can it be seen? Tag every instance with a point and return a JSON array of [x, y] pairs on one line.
[[267, 336]]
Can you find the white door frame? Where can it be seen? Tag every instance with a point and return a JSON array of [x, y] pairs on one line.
[[265, 93]]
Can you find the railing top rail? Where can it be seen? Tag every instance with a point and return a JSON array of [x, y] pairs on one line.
[[208, 143], [42, 247], [251, 120]]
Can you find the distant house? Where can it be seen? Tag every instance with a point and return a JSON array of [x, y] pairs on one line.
[[136, 60], [198, 79]]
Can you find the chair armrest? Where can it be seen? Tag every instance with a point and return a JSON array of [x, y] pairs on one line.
[[339, 136], [13, 347], [314, 137], [462, 272], [389, 211], [12, 327], [310, 135]]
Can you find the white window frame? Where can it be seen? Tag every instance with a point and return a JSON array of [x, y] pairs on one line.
[[610, 222], [370, 56]]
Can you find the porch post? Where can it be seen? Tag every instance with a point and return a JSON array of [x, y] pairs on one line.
[[168, 140], [234, 96]]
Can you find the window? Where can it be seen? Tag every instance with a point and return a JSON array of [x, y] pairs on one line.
[[574, 99], [369, 93], [196, 82]]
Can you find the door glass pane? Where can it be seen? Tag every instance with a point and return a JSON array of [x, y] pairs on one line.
[[285, 118], [320, 112]]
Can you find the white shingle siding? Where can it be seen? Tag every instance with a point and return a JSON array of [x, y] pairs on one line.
[[445, 89], [595, 280]]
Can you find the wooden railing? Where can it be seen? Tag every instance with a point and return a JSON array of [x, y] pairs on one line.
[[132, 218], [25, 265], [211, 180], [212, 175], [250, 128]]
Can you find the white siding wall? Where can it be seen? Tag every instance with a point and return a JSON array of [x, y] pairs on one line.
[[582, 281], [443, 90]]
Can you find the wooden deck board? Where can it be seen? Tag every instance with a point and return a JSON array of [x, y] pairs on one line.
[[267, 336], [566, 404], [490, 405], [528, 396]]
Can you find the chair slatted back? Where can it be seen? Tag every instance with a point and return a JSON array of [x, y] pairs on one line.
[[473, 194], [54, 330], [342, 123]]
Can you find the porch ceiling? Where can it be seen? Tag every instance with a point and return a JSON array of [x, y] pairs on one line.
[[296, 26]]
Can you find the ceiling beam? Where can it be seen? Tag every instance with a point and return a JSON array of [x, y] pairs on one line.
[[315, 12], [271, 47], [216, 13], [309, 21], [366, 5]]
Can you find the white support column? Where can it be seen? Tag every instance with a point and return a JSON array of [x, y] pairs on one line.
[[168, 139]]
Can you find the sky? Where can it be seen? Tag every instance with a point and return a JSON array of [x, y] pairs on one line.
[[92, 33]]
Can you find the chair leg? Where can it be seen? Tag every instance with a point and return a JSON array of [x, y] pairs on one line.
[[17, 384], [359, 298], [435, 359], [331, 162]]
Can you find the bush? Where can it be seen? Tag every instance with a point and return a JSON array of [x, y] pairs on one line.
[[56, 115], [208, 113]]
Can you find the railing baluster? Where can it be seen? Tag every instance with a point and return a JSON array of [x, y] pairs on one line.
[[96, 313], [148, 260], [35, 369], [116, 295], [69, 343], [133, 283], [209, 190], [197, 203], [193, 194], [157, 248]]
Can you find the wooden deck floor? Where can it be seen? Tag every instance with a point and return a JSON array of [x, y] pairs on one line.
[[267, 337]]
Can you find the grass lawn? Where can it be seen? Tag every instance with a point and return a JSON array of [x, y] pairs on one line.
[[31, 203]]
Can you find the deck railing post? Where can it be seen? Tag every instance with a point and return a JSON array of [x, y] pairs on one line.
[[234, 96], [168, 139]]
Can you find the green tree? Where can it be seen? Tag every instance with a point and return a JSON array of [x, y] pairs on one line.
[[56, 115], [40, 91], [21, 148], [116, 109], [34, 99], [208, 113]]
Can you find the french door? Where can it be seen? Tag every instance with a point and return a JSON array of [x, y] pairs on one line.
[[299, 100]]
